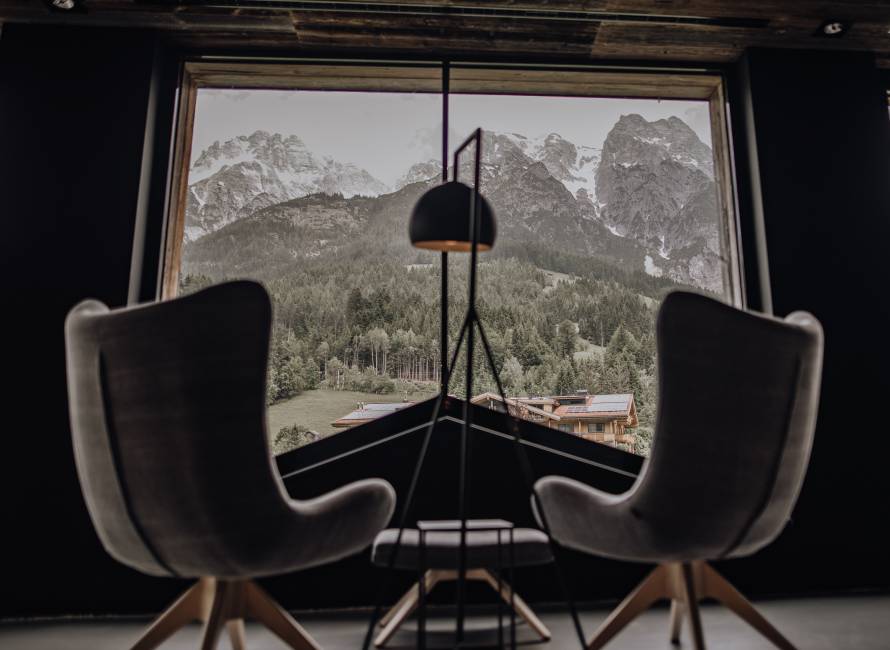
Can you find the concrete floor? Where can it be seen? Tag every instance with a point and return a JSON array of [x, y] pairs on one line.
[[856, 622]]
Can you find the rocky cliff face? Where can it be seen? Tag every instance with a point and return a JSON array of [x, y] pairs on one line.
[[418, 172], [571, 164], [529, 185], [655, 185], [231, 181]]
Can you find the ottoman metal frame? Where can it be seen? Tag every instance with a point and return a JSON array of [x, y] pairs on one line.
[[415, 598]]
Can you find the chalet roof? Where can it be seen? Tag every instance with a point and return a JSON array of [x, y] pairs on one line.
[[601, 407], [574, 398], [518, 402], [370, 411], [535, 400]]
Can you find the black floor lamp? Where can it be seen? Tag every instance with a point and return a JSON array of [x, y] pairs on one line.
[[452, 217]]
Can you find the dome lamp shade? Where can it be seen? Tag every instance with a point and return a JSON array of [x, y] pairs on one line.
[[440, 220]]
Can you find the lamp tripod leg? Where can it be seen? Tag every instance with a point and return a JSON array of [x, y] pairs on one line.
[[528, 475], [409, 501]]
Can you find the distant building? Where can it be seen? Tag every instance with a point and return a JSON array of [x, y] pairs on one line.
[[601, 418], [365, 412], [533, 409]]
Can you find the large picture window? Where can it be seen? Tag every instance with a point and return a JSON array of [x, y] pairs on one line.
[[610, 190]]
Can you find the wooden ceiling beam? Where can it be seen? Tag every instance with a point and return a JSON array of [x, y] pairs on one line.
[[767, 23], [813, 10]]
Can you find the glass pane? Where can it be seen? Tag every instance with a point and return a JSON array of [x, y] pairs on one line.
[[309, 192], [603, 205]]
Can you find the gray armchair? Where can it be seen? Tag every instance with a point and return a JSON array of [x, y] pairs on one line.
[[167, 405], [738, 396]]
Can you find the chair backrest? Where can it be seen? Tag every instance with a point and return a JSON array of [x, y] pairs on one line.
[[167, 405], [737, 406]]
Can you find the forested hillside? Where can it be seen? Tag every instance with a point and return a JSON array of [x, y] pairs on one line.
[[364, 316]]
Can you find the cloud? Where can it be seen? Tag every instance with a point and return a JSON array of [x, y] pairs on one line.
[[226, 94]]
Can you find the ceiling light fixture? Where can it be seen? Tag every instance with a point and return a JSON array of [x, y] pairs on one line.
[[66, 5], [833, 28]]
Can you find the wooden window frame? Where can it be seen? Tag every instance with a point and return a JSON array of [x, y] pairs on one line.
[[464, 78]]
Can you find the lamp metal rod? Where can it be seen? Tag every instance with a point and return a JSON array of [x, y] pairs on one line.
[[467, 330], [412, 489], [463, 489], [443, 301], [475, 137], [528, 476], [403, 520]]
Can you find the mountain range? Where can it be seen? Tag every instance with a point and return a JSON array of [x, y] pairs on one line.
[[233, 180], [646, 200]]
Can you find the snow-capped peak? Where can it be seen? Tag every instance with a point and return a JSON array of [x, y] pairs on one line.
[[231, 180]]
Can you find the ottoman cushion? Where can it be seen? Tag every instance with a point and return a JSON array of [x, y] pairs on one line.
[[442, 548]]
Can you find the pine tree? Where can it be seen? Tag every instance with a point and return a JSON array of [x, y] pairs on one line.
[[512, 377], [567, 379], [565, 339]]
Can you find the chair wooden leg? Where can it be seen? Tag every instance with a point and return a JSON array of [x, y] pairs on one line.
[[408, 599], [218, 614], [676, 620], [653, 588], [397, 615], [431, 578], [719, 588], [235, 628], [264, 609], [686, 584], [225, 604], [691, 598], [522, 608], [193, 605]]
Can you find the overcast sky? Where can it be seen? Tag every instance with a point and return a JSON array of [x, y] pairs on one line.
[[386, 133]]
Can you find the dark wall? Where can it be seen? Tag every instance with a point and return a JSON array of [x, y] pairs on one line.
[[73, 110], [822, 146], [72, 122]]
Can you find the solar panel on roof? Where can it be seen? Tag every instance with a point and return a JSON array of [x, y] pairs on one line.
[[599, 399], [395, 406], [602, 407]]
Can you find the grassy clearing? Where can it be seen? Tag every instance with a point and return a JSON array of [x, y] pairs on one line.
[[316, 409], [588, 350], [555, 278]]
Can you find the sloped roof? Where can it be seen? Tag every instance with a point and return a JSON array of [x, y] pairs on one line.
[[513, 401], [535, 400], [602, 407], [369, 412]]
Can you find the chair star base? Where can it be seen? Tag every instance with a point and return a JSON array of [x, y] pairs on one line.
[[685, 584], [226, 604]]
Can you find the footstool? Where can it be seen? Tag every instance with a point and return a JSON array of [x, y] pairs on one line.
[[440, 556]]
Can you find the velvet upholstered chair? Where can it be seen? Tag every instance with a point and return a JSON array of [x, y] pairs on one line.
[[167, 405], [738, 395]]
